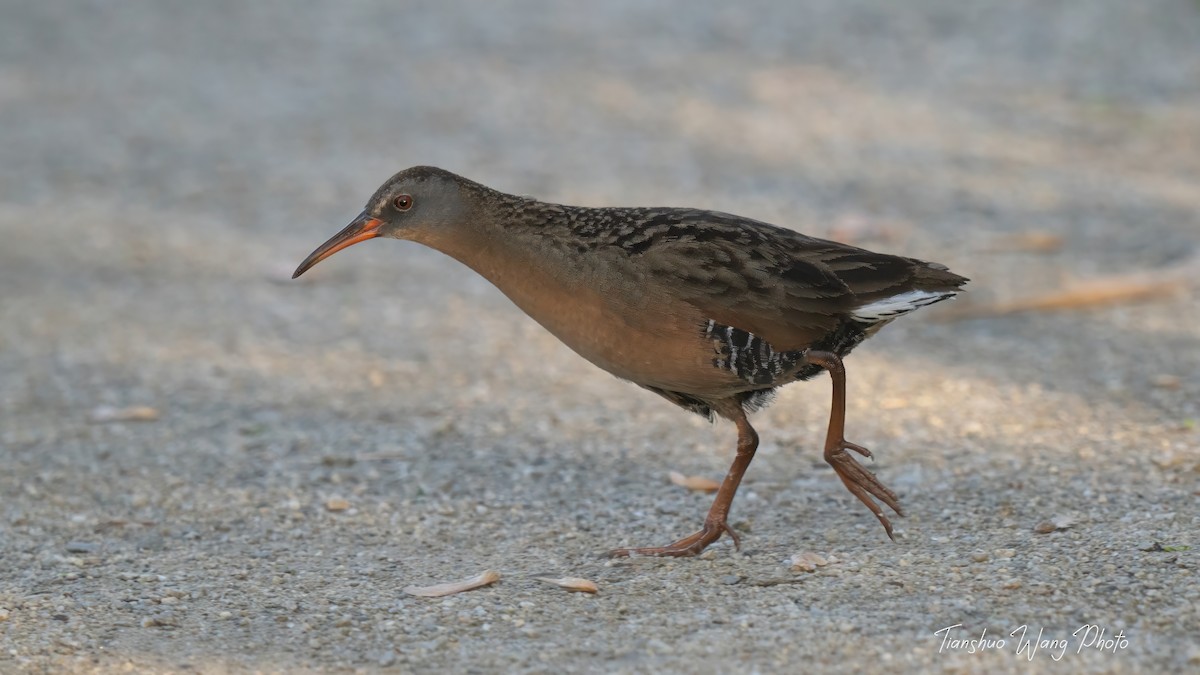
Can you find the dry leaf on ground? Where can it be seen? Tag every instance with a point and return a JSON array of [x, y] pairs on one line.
[[1032, 241], [807, 562], [575, 584], [698, 483], [1107, 290], [438, 590], [133, 413], [1085, 294]]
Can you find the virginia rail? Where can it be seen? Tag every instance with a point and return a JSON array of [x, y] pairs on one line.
[[709, 310]]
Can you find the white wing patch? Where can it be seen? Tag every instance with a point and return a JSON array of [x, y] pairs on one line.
[[896, 305]]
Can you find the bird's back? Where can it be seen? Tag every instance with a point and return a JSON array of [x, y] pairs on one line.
[[781, 284]]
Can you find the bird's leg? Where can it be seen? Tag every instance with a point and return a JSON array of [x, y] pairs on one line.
[[861, 483], [716, 522]]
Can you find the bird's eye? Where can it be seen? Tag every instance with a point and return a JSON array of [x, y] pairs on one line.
[[403, 202]]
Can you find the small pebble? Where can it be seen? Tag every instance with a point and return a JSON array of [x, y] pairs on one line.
[[80, 547], [979, 557], [1059, 522], [336, 504], [807, 562], [731, 579], [387, 658]]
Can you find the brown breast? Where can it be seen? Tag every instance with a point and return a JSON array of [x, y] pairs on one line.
[[603, 310]]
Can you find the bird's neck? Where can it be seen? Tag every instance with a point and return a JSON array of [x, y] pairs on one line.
[[516, 262], [535, 265], [512, 243]]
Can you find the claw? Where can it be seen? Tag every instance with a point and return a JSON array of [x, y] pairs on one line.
[[737, 541]]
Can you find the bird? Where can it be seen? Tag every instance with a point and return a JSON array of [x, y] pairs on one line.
[[709, 310]]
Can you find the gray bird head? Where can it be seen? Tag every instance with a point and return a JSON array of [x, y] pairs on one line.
[[421, 204]]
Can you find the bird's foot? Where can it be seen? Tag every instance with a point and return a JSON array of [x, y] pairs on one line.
[[690, 545], [860, 482]]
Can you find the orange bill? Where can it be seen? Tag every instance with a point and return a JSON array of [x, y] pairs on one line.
[[363, 227]]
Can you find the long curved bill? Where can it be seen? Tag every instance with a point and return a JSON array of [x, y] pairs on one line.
[[363, 227]]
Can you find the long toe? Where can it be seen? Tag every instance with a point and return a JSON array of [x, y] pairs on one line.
[[690, 545], [863, 484]]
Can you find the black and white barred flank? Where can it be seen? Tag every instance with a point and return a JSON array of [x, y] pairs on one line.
[[747, 355], [754, 360]]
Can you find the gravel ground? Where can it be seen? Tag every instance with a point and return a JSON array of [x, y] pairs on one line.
[[391, 420]]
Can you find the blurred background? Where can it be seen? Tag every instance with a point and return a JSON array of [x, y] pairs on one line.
[[173, 405]]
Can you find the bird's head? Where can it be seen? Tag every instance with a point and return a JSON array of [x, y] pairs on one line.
[[422, 204]]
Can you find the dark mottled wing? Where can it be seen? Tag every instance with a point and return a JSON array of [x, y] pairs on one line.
[[789, 288]]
